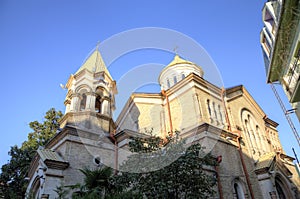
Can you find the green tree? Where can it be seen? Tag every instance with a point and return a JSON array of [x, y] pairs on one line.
[[179, 175], [97, 183], [43, 132], [61, 191], [13, 175]]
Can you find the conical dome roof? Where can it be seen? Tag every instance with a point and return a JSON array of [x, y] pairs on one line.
[[178, 60]]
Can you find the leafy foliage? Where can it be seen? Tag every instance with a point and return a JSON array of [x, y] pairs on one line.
[[180, 174], [13, 176], [98, 178], [97, 183], [158, 168], [43, 132], [61, 192]]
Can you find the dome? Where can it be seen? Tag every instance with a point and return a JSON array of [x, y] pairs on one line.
[[177, 70]]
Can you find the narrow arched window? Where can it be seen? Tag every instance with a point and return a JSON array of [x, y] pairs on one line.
[[182, 76], [259, 137], [98, 104], [168, 83], [82, 102], [247, 128], [215, 112], [175, 79], [208, 108], [220, 112], [248, 116], [238, 191]]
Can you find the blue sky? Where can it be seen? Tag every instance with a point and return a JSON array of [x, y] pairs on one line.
[[43, 42]]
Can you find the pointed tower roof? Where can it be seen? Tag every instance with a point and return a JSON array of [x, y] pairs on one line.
[[94, 63]]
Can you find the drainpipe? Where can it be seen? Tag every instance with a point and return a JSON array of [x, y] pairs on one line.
[[244, 165], [163, 92], [219, 160], [116, 151]]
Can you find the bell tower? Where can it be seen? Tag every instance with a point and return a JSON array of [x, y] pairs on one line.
[[90, 100]]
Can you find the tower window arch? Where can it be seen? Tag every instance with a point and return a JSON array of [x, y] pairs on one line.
[[98, 104], [82, 102]]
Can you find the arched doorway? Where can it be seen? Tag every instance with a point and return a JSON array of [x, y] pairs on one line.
[[282, 188]]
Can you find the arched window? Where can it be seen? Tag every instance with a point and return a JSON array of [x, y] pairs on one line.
[[252, 133], [182, 76], [82, 102], [175, 79], [208, 108], [168, 83], [259, 138], [220, 112], [215, 112], [98, 104], [246, 127], [238, 191], [250, 128]]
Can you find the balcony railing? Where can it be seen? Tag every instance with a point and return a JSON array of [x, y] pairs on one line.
[[291, 78]]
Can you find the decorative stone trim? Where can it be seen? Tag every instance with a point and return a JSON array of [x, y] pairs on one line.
[[75, 95]]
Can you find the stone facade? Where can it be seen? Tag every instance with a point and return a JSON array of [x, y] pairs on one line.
[[227, 122]]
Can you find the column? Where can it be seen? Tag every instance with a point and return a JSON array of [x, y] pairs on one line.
[[68, 105], [67, 108], [74, 102], [105, 107], [90, 101]]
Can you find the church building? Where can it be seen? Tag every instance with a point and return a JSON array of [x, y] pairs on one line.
[[226, 121]]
